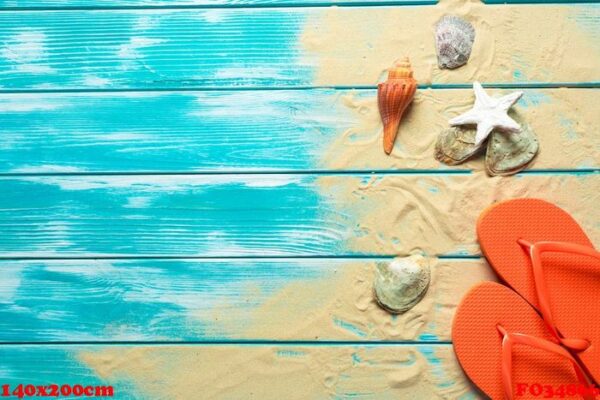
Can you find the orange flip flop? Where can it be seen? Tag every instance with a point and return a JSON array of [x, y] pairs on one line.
[[505, 348], [541, 252]]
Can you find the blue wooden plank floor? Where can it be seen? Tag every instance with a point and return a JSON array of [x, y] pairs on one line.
[[287, 47], [112, 4], [249, 131], [194, 196]]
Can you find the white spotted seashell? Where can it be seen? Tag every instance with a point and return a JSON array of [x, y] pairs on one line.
[[454, 39], [401, 284]]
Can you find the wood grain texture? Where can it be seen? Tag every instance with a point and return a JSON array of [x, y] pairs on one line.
[[99, 4], [60, 214], [183, 300], [267, 215], [535, 1], [241, 372], [117, 49], [61, 4], [289, 130]]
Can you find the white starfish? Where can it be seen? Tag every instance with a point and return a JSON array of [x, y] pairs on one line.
[[489, 113]]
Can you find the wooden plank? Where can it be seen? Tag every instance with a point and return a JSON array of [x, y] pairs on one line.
[[100, 4], [258, 131], [115, 49], [242, 372], [181, 300], [535, 1], [268, 215]]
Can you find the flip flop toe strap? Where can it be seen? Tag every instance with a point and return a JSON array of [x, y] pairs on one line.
[[535, 252], [510, 339]]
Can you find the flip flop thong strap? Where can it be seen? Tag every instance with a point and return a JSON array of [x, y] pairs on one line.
[[535, 252], [510, 339]]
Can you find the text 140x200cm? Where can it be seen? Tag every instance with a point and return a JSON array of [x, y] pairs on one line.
[[53, 390]]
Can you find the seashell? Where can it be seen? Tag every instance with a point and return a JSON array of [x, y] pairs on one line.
[[454, 39], [510, 152], [393, 97], [457, 144], [401, 284]]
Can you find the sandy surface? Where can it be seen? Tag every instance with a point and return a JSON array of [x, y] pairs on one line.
[[511, 43], [290, 372], [561, 119], [437, 214], [395, 214]]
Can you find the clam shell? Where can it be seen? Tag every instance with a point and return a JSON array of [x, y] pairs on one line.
[[510, 152], [457, 144], [393, 97], [454, 39], [400, 284]]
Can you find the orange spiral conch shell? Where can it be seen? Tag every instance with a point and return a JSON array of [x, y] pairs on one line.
[[393, 97]]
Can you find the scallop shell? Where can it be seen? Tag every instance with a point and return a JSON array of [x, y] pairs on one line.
[[510, 152], [393, 97], [454, 39], [457, 144], [401, 284]]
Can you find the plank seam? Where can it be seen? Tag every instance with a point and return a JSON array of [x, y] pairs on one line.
[[541, 2], [531, 85], [359, 172], [233, 173], [348, 4], [232, 343], [449, 257]]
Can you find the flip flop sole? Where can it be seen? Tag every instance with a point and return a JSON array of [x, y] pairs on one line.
[[478, 344], [572, 281]]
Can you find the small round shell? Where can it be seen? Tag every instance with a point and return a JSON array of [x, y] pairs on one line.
[[402, 283], [510, 152], [454, 39], [457, 144]]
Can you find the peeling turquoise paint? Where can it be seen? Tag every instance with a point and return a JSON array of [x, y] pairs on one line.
[[122, 311], [290, 353], [517, 75], [148, 300], [430, 188], [187, 132], [534, 98], [428, 337], [214, 224], [589, 21], [435, 366], [520, 66], [349, 327], [570, 132], [213, 48], [161, 132], [60, 365], [59, 4]]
